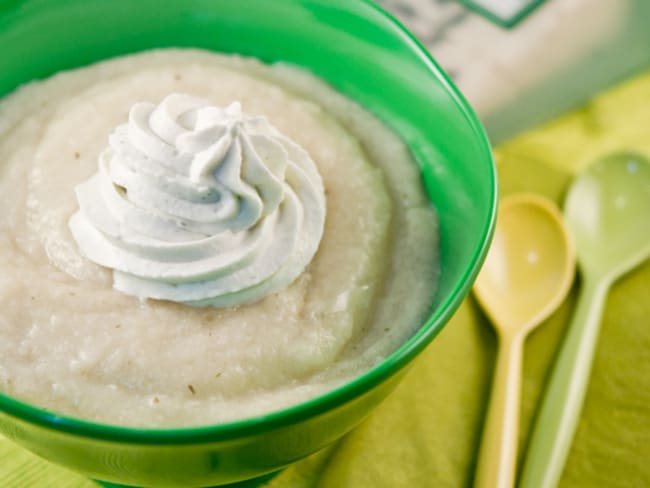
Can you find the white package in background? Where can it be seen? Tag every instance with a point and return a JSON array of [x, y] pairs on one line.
[[521, 62]]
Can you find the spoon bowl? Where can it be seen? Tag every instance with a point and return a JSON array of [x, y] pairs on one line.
[[529, 267], [526, 275], [608, 211]]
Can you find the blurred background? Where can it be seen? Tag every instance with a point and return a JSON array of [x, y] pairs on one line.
[[522, 62]]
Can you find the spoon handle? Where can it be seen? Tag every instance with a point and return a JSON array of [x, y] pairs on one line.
[[498, 452], [558, 417]]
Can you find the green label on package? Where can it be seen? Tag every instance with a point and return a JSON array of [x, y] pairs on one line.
[[506, 13]]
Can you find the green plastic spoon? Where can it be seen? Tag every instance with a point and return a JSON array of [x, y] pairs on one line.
[[527, 274], [608, 211]]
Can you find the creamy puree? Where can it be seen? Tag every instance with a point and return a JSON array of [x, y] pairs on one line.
[[71, 343]]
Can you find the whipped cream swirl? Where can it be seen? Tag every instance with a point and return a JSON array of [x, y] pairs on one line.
[[200, 205]]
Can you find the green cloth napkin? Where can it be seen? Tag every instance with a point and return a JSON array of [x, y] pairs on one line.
[[427, 433]]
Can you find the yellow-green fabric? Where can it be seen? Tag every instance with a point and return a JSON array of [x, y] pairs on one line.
[[427, 433]]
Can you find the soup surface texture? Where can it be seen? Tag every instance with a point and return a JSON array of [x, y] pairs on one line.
[[71, 343]]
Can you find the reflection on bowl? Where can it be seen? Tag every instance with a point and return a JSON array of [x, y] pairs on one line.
[[365, 54]]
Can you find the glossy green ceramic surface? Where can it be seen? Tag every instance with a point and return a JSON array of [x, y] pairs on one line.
[[365, 54]]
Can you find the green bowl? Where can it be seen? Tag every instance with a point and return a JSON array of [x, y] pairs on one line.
[[365, 54]]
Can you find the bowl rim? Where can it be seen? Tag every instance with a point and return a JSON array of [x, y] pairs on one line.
[[323, 403]]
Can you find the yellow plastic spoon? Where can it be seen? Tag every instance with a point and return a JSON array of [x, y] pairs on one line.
[[608, 211], [526, 276]]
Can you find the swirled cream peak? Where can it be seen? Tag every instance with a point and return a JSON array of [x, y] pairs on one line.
[[201, 205]]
